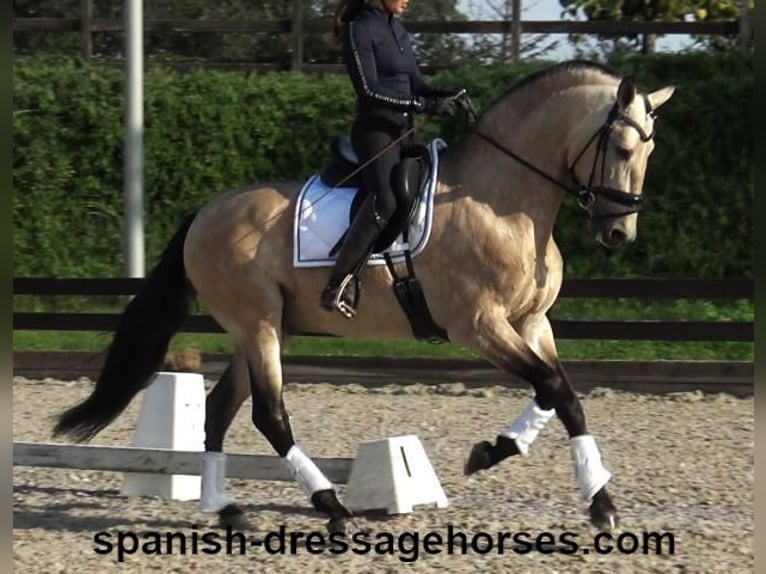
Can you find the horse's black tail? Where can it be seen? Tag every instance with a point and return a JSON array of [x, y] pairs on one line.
[[140, 342]]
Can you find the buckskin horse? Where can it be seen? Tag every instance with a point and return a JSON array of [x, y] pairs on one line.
[[575, 128]]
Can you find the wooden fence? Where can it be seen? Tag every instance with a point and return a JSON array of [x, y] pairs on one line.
[[727, 378], [297, 26], [646, 329]]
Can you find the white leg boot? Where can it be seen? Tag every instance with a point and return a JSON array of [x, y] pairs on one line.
[[590, 473], [213, 497], [527, 426]]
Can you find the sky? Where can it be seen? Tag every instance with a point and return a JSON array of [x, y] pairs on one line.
[[551, 10]]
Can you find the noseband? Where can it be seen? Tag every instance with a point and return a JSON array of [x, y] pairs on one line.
[[588, 194]]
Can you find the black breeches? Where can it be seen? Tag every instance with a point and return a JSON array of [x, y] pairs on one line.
[[369, 136]]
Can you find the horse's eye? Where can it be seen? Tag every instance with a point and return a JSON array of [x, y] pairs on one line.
[[624, 153]]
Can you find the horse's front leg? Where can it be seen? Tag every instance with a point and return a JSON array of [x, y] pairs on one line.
[[529, 352], [517, 437]]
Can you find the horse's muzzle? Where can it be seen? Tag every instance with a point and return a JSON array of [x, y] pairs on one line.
[[613, 233], [613, 238], [610, 216]]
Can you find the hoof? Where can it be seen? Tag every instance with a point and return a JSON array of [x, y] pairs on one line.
[[345, 525], [341, 520], [603, 512], [339, 525], [232, 516], [479, 458]]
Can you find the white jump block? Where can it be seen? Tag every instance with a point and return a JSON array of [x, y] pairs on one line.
[[172, 417], [394, 475]]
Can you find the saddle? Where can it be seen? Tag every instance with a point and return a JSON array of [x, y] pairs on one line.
[[409, 180]]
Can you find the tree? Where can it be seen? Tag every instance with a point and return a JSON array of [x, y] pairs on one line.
[[208, 46], [498, 47], [438, 49], [433, 49], [657, 10], [225, 47]]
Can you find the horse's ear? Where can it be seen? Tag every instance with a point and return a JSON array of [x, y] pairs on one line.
[[626, 93], [659, 97]]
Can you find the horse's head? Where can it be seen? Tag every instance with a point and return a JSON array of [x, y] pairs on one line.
[[608, 155]]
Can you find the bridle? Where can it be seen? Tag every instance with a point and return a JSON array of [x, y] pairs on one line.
[[586, 194]]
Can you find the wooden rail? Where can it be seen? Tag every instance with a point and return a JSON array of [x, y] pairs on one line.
[[163, 461], [323, 25], [740, 331]]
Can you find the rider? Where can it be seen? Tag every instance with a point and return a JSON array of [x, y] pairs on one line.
[[389, 89]]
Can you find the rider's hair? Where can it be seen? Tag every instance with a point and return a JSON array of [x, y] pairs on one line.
[[346, 11]]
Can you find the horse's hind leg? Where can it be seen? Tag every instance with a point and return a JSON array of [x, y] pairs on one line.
[[271, 418], [505, 347], [221, 407]]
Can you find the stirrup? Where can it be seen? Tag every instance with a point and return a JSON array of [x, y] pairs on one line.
[[340, 301]]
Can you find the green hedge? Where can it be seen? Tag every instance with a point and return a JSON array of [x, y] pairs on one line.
[[207, 132]]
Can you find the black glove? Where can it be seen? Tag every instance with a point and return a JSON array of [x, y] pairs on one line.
[[440, 106]]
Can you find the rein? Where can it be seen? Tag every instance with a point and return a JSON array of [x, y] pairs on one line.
[[586, 194]]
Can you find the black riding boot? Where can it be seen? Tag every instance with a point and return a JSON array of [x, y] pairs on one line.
[[356, 250]]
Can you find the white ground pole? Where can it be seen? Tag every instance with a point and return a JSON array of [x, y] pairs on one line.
[[134, 144]]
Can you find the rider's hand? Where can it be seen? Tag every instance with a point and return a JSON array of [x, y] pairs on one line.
[[440, 106], [463, 101]]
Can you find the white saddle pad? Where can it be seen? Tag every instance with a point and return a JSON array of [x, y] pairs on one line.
[[322, 217]]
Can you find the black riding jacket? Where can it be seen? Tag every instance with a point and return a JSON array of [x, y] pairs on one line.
[[378, 54]]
